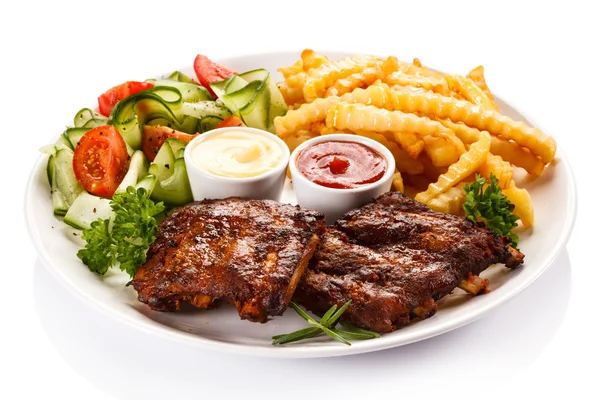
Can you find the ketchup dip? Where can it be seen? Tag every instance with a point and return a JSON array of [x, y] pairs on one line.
[[341, 164]]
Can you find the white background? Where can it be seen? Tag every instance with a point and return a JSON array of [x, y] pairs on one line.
[[57, 57]]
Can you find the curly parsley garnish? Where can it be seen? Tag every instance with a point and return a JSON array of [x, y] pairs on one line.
[[124, 238], [491, 206]]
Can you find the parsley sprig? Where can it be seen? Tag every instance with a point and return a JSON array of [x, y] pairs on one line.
[[124, 238], [326, 325], [491, 206]]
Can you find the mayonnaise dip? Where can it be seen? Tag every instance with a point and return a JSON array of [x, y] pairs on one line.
[[237, 154]]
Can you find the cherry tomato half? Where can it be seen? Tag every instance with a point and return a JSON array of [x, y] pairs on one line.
[[154, 136], [230, 121], [209, 72], [101, 160], [108, 100]]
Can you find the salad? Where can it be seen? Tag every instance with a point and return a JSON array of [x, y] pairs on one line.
[[125, 158]]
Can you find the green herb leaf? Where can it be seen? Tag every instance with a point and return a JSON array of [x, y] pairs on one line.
[[125, 238], [326, 325], [491, 206], [302, 334], [331, 321], [351, 328]]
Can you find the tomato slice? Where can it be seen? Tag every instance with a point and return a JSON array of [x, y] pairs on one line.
[[208, 72], [101, 160], [108, 100], [154, 136], [230, 121]]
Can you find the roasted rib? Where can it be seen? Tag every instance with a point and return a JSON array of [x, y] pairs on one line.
[[394, 258], [251, 253]]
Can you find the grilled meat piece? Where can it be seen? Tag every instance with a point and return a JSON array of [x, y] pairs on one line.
[[251, 253], [394, 258]]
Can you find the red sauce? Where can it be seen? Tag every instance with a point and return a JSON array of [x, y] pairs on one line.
[[341, 165]]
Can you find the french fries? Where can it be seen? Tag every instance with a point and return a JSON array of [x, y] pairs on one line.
[[441, 129]]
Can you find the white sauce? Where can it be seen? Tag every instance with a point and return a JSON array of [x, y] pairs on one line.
[[237, 154]]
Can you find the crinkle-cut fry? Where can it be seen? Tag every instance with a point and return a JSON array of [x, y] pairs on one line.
[[470, 91], [397, 182], [308, 59], [500, 168], [298, 138], [428, 83], [293, 69], [441, 152], [417, 68], [465, 133], [308, 113], [507, 149], [468, 163], [440, 107], [517, 155], [404, 163], [476, 74], [303, 116], [364, 78], [410, 142], [291, 88], [523, 204], [311, 60], [323, 77], [451, 201], [291, 95], [362, 117]]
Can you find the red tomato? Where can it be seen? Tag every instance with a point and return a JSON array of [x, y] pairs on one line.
[[154, 136], [108, 100], [208, 72], [230, 121], [100, 160]]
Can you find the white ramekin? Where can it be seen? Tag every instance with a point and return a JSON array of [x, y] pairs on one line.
[[336, 202], [208, 186]]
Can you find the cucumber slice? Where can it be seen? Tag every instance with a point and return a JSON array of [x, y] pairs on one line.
[[86, 209], [255, 75], [50, 169], [209, 123], [234, 84], [203, 109], [240, 98], [181, 77], [162, 166], [176, 145], [254, 97], [278, 106], [175, 190], [138, 167], [219, 87], [63, 141], [65, 187], [94, 122], [148, 183], [74, 134], [252, 103], [190, 92], [132, 113], [84, 115]]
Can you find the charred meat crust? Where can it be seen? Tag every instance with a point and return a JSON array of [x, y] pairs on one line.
[[394, 258], [251, 253]]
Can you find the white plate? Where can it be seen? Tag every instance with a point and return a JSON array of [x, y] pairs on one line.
[[554, 198]]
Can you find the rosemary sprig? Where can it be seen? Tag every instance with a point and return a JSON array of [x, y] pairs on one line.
[[325, 325]]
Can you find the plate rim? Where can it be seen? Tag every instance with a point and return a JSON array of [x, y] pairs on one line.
[[158, 330]]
